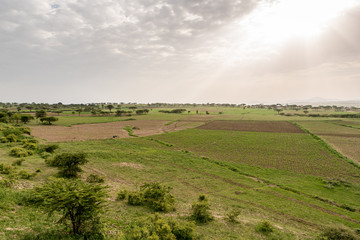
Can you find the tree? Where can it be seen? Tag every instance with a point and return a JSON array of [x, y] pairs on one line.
[[79, 203], [26, 118], [69, 163], [79, 110], [200, 210], [40, 114], [110, 107], [48, 120]]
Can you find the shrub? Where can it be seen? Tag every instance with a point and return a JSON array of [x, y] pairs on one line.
[[337, 233], [123, 194], [45, 155], [5, 169], [18, 162], [200, 210], [30, 146], [135, 198], [79, 203], [68, 163], [264, 227], [23, 174], [158, 197], [232, 216], [94, 178], [11, 137], [49, 148], [18, 152], [158, 227]]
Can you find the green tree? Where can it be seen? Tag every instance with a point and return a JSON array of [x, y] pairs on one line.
[[69, 163], [79, 203], [26, 118], [40, 113], [110, 107], [79, 110], [48, 120], [201, 210]]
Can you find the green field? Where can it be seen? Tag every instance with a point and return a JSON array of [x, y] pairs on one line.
[[293, 180]]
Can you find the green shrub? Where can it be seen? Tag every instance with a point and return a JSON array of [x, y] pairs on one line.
[[68, 163], [11, 137], [18, 162], [264, 227], [7, 182], [23, 174], [49, 148], [158, 197], [122, 195], [3, 140], [232, 216], [135, 198], [30, 146], [158, 227], [18, 152], [45, 155], [5, 169], [94, 178], [338, 233], [79, 203], [200, 210]]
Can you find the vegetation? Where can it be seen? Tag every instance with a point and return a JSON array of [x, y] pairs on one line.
[[201, 210], [68, 163]]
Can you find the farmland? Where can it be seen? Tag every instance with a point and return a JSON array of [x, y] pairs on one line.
[[253, 161]]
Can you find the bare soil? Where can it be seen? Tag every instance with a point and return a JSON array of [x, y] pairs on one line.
[[107, 130], [253, 126]]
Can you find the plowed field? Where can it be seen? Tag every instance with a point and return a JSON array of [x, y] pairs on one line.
[[253, 126]]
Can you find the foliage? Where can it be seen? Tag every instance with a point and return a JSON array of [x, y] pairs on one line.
[[154, 195], [26, 118], [30, 146], [337, 233], [19, 152], [68, 163], [26, 175], [40, 114], [5, 169], [158, 227], [94, 178], [48, 120], [200, 210], [79, 204], [49, 148], [264, 227], [18, 162], [232, 216], [11, 137]]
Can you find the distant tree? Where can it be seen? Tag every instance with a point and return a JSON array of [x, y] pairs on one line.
[[40, 114], [18, 109], [110, 107], [26, 118], [133, 107], [278, 110], [78, 203], [48, 120], [79, 110], [29, 107], [306, 111], [16, 117]]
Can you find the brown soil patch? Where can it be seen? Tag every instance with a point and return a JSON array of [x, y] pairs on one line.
[[106, 130], [128, 164], [253, 126]]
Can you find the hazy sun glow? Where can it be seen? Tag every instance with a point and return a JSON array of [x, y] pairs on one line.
[[274, 23]]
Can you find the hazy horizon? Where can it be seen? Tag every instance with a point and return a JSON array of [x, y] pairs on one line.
[[179, 51]]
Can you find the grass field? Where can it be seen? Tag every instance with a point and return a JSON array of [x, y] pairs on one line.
[[264, 170]]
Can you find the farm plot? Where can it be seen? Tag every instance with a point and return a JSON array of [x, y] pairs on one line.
[[297, 153], [106, 130], [253, 126], [343, 138]]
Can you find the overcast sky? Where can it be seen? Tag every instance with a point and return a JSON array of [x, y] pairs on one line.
[[224, 51]]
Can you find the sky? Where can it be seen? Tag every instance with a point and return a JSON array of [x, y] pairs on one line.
[[183, 51]]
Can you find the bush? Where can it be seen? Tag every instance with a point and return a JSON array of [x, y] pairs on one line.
[[23, 174], [45, 155], [232, 216], [158, 227], [5, 169], [135, 198], [18, 162], [158, 197], [200, 210], [94, 178], [11, 137], [264, 227], [337, 233], [79, 203], [122, 195], [18, 152], [30, 146], [68, 163], [49, 148]]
